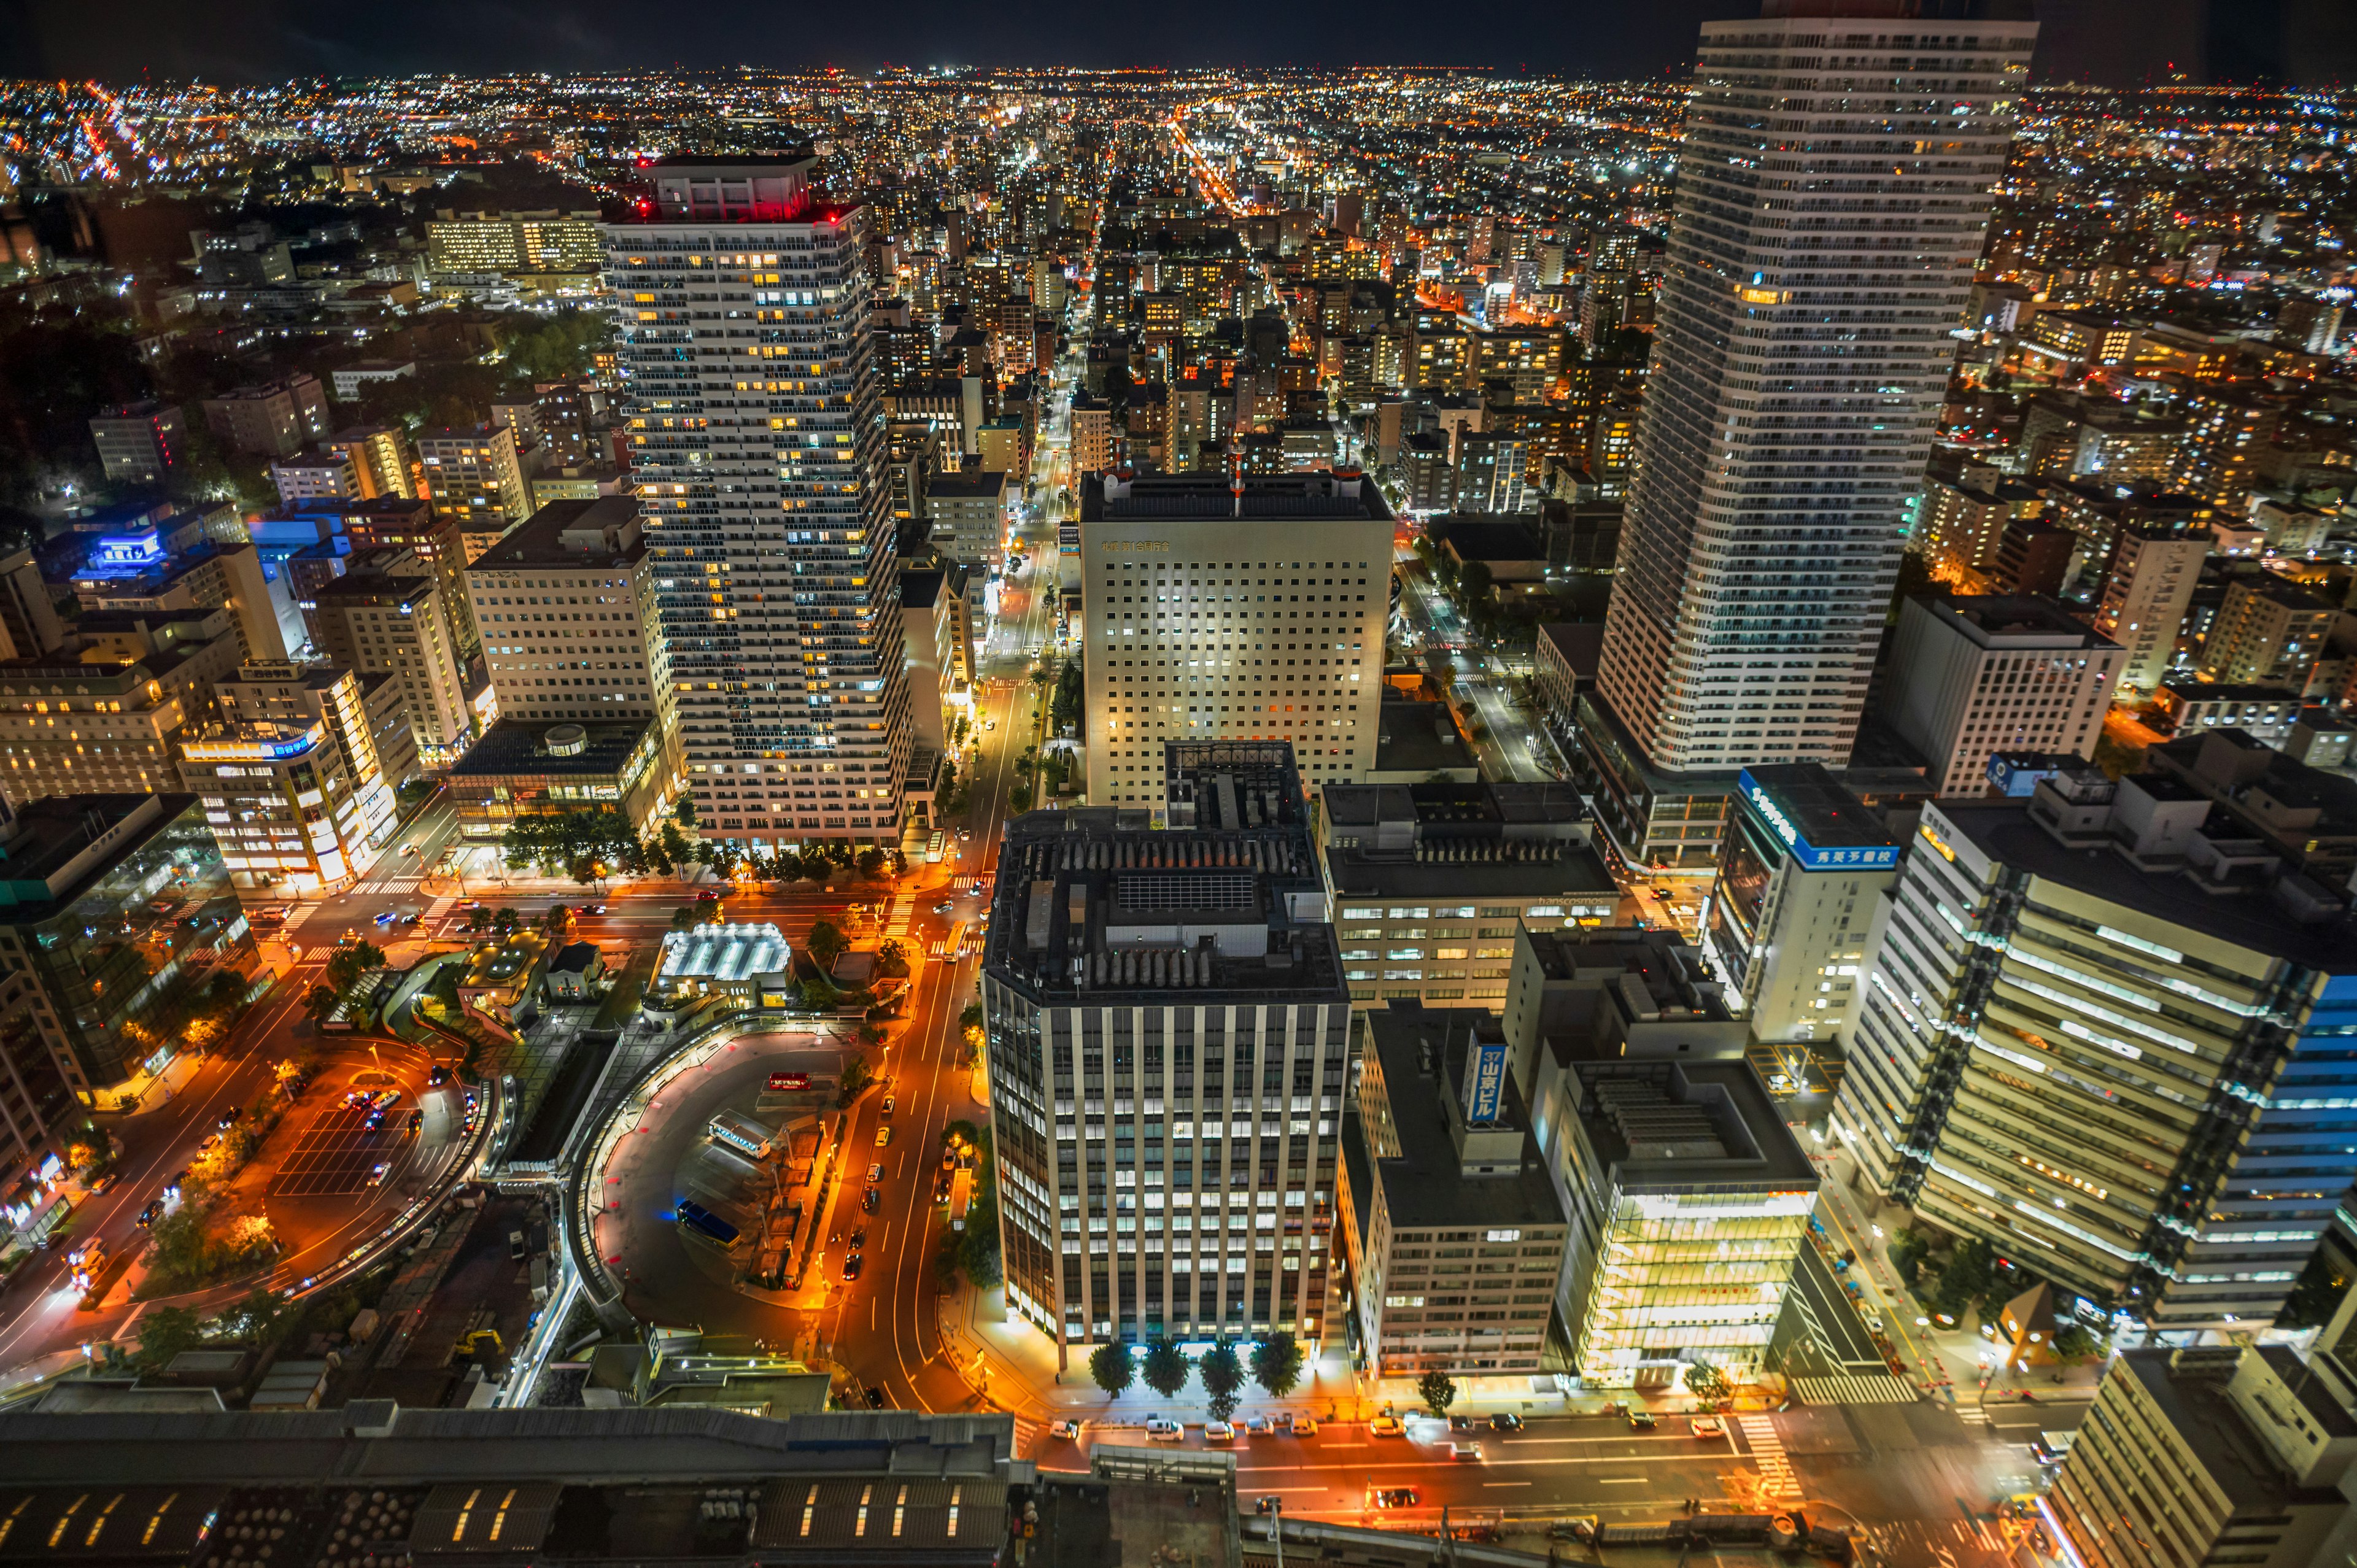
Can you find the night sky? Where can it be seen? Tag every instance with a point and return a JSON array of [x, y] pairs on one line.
[[2122, 42]]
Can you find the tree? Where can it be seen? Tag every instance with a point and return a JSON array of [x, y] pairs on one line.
[[504, 922], [444, 986], [1110, 1368], [1970, 1276], [825, 943], [554, 922], [1222, 1373], [1166, 1371], [1706, 1382], [892, 959], [479, 920], [165, 1332], [1019, 798], [2076, 1344], [1276, 1363], [1438, 1391], [970, 1016], [855, 1077], [350, 966], [872, 864], [683, 918], [1908, 1247], [319, 1004]]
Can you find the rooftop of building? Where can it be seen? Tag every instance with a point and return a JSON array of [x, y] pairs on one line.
[[1508, 841], [2188, 690], [1661, 968], [2190, 1390], [1423, 1055], [367, 587], [520, 749], [1485, 539], [1229, 899], [1341, 493], [1807, 804], [58, 844], [1688, 1123], [2012, 621], [967, 484], [2270, 914], [582, 536], [1415, 736], [1580, 644], [723, 953]]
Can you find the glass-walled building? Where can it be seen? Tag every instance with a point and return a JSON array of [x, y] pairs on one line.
[[119, 906], [1689, 1203]]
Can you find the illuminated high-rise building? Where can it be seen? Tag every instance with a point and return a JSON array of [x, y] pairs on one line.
[[757, 441], [1833, 193]]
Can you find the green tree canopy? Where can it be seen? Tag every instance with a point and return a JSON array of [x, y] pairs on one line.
[[1166, 1371], [1222, 1373], [825, 943], [1110, 1368], [1438, 1391], [1276, 1363]]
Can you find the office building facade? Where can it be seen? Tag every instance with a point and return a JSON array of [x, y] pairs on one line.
[[1168, 1035], [761, 477], [2102, 1030], [1215, 613], [1973, 676], [1800, 877]]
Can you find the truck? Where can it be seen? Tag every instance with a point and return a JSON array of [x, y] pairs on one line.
[[742, 1133], [706, 1223], [961, 1197]]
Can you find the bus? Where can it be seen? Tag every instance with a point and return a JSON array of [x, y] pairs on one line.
[[740, 1132], [706, 1223], [781, 1082]]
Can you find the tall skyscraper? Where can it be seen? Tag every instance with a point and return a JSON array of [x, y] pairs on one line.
[[1833, 193], [759, 445]]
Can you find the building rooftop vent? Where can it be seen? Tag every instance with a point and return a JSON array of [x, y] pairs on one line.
[[566, 740]]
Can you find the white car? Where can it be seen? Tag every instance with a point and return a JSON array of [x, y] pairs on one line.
[[1069, 1431], [1219, 1432], [1160, 1430]]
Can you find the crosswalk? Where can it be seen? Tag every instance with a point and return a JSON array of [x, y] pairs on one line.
[[1854, 1388], [902, 907], [1971, 1415], [1768, 1451]]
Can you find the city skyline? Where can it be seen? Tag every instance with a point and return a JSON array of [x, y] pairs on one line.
[[2117, 43]]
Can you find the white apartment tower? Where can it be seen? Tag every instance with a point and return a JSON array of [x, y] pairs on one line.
[[1833, 193], [757, 442]]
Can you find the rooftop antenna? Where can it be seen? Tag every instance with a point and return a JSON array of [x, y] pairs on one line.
[[1236, 479]]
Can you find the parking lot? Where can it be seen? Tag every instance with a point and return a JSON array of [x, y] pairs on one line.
[[333, 1155]]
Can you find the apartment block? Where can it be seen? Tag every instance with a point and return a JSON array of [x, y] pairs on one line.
[[1218, 613], [290, 778], [382, 465], [475, 477], [967, 515], [276, 419], [1972, 675], [372, 622], [140, 443], [1169, 1036], [109, 722], [1452, 1233], [2146, 593], [2267, 632]]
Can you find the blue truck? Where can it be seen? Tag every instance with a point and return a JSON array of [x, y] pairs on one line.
[[701, 1220]]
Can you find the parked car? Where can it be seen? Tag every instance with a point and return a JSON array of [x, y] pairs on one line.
[[888, 1105], [1708, 1426], [1460, 1423], [1385, 1426], [1505, 1420], [1305, 1426], [1643, 1421], [1162, 1429], [1219, 1432], [1262, 1426], [882, 1136], [876, 1172], [870, 1199]]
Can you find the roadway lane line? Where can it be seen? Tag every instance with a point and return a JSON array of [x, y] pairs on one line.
[[1493, 1485]]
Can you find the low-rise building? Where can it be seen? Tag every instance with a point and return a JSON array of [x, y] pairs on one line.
[[1430, 882], [1620, 993], [1801, 874], [519, 769], [276, 419], [2187, 707], [967, 511], [1689, 1203], [751, 962], [503, 978], [1453, 1236]]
